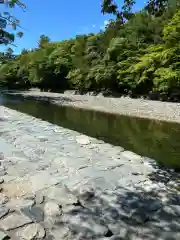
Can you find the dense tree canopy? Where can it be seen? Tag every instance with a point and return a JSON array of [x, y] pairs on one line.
[[154, 7], [139, 57]]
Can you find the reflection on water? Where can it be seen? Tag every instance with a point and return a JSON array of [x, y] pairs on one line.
[[155, 139]]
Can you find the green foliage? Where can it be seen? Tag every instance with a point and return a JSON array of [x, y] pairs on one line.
[[6, 19], [172, 30], [138, 57]]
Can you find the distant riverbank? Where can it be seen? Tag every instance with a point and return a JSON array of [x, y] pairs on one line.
[[165, 111]]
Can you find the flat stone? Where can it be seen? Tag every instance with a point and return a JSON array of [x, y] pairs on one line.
[[83, 140], [60, 232], [61, 195], [32, 231], [3, 211], [34, 213], [3, 236], [14, 221], [131, 156], [19, 203], [86, 227], [42, 180], [173, 210], [52, 209]]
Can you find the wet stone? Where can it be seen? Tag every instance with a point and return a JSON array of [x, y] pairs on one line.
[[34, 213], [14, 221]]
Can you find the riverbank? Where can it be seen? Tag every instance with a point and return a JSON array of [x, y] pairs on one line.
[[164, 111], [58, 184]]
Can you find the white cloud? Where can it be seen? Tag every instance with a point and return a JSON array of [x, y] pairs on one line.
[[93, 25]]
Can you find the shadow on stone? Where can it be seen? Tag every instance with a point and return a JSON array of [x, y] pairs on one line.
[[127, 214]]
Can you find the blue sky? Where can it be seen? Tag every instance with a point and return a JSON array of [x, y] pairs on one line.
[[59, 19]]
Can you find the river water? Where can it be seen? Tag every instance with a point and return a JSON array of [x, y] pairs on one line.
[[151, 138]]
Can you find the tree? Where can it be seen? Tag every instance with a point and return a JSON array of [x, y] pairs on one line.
[[154, 7], [43, 41], [7, 19], [138, 57]]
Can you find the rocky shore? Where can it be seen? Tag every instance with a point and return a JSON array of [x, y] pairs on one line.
[[165, 111], [57, 184]]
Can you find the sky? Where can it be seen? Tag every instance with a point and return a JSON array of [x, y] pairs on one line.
[[59, 19]]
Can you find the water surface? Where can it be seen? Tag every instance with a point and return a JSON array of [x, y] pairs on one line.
[[151, 138]]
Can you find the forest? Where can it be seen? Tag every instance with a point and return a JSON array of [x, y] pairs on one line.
[[138, 54]]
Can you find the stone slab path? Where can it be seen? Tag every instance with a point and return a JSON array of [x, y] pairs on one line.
[[58, 184]]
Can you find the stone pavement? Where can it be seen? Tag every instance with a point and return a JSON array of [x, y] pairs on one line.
[[58, 184]]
